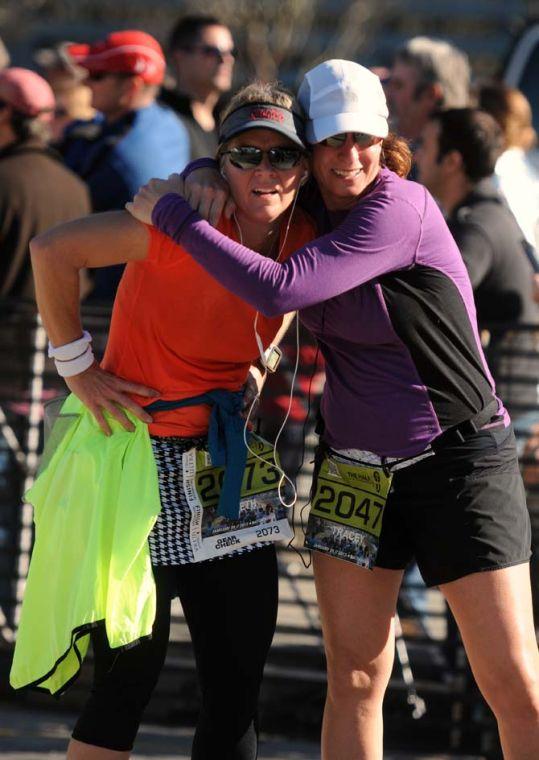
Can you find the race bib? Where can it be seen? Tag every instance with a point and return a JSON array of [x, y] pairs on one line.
[[262, 517], [347, 510]]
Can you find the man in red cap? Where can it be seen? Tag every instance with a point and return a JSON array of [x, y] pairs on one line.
[[36, 190], [134, 138]]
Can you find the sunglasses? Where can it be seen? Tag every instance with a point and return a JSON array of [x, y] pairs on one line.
[[361, 139], [249, 157], [211, 51]]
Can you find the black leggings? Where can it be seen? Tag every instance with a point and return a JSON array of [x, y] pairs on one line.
[[231, 608]]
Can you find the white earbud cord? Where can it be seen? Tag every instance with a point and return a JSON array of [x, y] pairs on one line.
[[283, 476]]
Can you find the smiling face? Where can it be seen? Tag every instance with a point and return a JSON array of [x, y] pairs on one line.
[[343, 173], [263, 193]]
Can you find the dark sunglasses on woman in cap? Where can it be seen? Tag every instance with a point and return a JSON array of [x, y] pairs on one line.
[[361, 139], [249, 157]]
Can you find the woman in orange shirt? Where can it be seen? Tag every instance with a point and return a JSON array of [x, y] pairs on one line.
[[176, 335]]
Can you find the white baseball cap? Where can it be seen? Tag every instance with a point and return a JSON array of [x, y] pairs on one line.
[[342, 96]]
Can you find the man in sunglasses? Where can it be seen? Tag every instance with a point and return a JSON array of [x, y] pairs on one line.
[[133, 138], [201, 54]]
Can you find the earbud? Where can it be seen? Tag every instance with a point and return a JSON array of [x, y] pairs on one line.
[[304, 179], [223, 173]]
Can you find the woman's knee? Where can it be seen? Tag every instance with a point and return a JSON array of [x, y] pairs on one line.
[[513, 692], [350, 677]]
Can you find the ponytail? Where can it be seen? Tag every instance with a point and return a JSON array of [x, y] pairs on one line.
[[396, 154]]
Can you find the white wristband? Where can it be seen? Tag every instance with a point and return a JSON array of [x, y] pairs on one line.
[[77, 365], [72, 350]]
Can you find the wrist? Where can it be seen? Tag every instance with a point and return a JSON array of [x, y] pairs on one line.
[[199, 163], [73, 358], [76, 366], [69, 351], [171, 213]]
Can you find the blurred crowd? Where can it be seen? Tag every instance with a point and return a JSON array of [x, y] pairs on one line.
[[95, 121]]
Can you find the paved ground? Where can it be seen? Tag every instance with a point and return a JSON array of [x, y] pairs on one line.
[[36, 735]]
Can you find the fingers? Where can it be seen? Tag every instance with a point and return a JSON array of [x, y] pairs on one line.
[[116, 396], [192, 195], [101, 421], [217, 206], [102, 392], [117, 412], [135, 409], [211, 205], [139, 210], [142, 205], [128, 387], [176, 183]]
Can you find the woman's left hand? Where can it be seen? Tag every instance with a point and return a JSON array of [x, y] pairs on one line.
[[142, 205]]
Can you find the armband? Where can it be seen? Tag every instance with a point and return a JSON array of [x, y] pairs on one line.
[[272, 358], [72, 350], [70, 367]]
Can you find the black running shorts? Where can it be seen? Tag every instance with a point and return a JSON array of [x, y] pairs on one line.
[[458, 512]]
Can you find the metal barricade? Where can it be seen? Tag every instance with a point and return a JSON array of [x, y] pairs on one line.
[[430, 666]]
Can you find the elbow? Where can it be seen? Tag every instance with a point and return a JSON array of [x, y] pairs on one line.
[[40, 247], [272, 306]]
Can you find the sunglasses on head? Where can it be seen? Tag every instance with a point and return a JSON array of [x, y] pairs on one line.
[[249, 157], [211, 51], [361, 139]]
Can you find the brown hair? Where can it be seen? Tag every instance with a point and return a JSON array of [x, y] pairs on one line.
[[512, 111], [396, 154], [272, 93]]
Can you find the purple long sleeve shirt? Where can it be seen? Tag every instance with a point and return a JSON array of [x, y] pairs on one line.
[[388, 297]]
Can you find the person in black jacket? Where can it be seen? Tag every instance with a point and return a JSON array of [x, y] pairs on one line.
[[456, 160], [201, 55], [36, 190]]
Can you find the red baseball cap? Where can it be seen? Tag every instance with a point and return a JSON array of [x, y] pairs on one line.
[[26, 92], [126, 52]]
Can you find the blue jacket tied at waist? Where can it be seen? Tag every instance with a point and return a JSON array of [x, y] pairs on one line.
[[225, 441]]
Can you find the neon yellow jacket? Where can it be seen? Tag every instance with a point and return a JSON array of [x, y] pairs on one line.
[[95, 501]]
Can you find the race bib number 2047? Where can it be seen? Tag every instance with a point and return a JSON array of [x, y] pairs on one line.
[[347, 510]]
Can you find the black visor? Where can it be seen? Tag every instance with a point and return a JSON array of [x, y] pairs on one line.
[[266, 116]]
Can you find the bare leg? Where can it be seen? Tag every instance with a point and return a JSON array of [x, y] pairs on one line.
[[494, 613], [357, 608], [80, 751]]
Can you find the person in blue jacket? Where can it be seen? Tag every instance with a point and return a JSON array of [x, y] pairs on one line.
[[133, 138]]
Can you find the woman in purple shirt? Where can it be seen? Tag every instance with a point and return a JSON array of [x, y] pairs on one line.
[[417, 458]]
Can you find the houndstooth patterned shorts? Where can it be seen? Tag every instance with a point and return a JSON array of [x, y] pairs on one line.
[[169, 540]]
